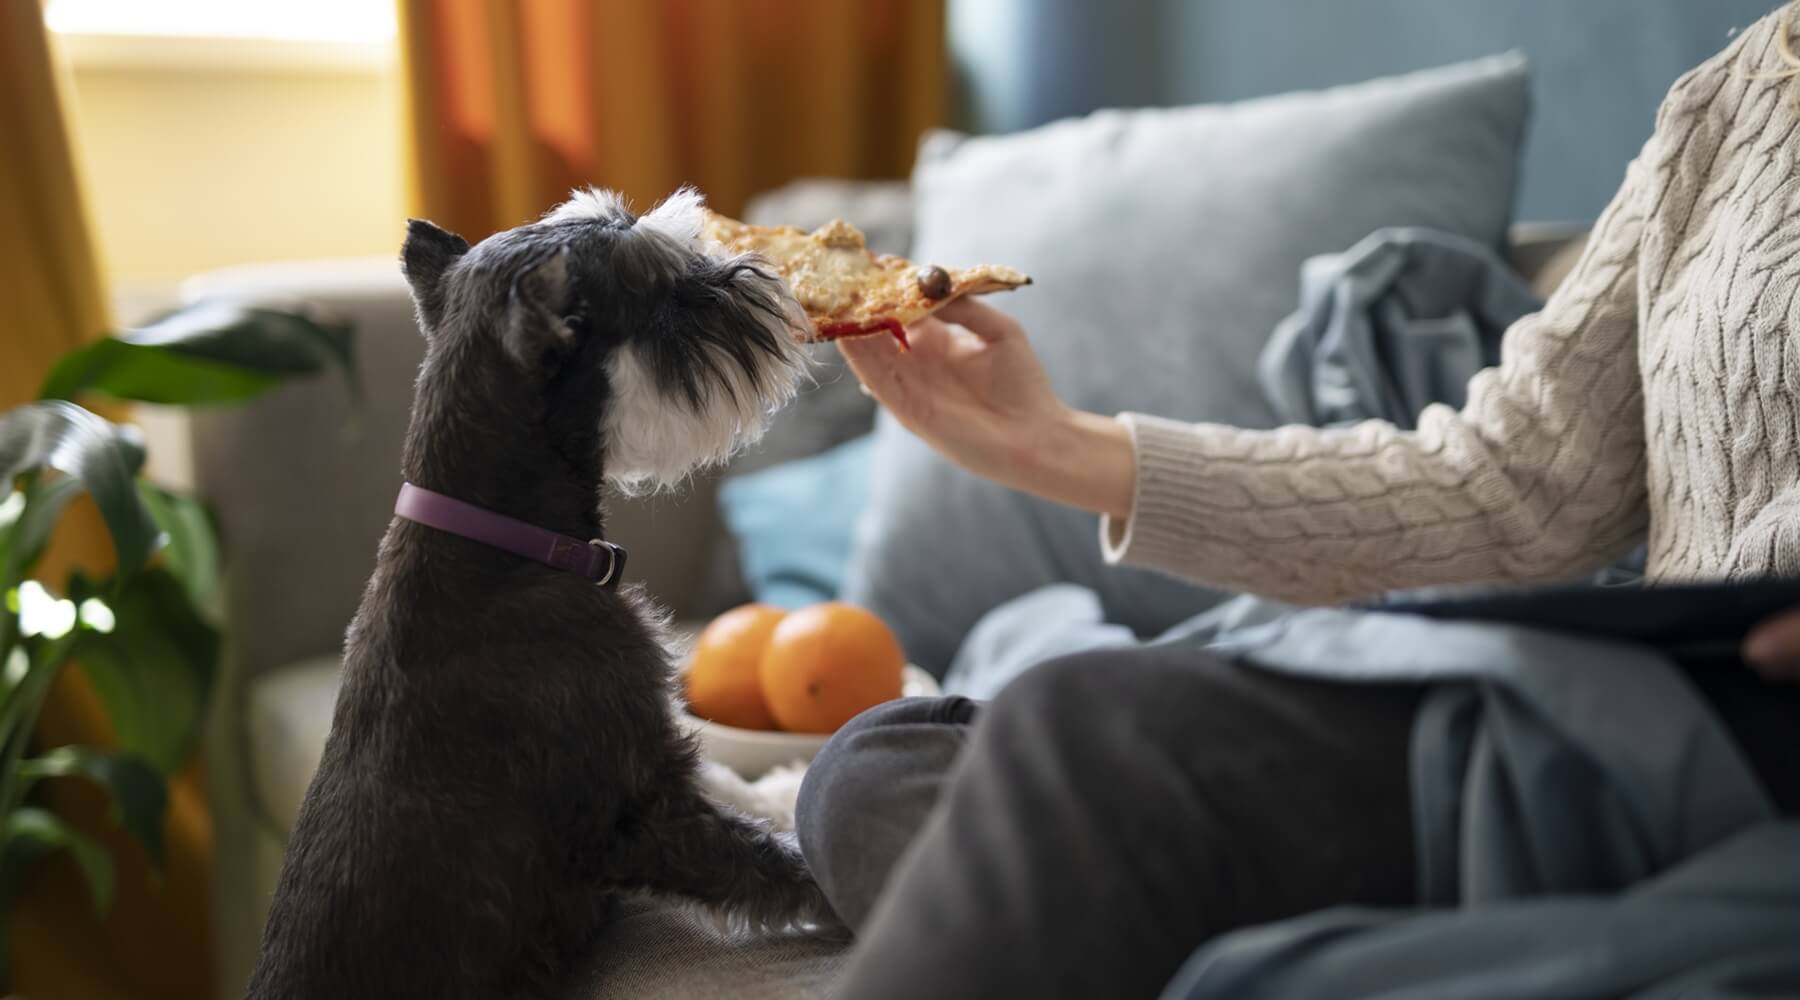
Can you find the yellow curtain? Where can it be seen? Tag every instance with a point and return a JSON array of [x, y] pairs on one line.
[[513, 103], [155, 942]]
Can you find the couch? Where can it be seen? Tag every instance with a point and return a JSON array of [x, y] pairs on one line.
[[302, 483]]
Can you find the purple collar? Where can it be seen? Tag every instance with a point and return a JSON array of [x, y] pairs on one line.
[[598, 560]]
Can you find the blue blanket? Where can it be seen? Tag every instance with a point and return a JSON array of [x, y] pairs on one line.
[[1585, 827], [1384, 329]]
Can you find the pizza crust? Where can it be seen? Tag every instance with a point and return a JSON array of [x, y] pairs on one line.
[[847, 290]]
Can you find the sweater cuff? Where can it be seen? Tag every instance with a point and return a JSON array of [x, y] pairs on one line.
[[1166, 481]]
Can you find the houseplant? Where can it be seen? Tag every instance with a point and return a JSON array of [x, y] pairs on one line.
[[145, 636]]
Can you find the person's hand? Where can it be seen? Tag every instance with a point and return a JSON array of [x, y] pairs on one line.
[[1773, 648], [973, 389]]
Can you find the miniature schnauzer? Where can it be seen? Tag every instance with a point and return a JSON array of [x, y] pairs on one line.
[[504, 761]]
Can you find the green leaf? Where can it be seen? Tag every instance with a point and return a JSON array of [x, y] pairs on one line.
[[193, 550], [152, 375], [15, 663], [29, 834], [140, 796], [284, 341], [154, 670], [44, 504], [102, 455], [214, 351]]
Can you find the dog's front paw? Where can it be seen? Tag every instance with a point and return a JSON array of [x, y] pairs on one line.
[[829, 929]]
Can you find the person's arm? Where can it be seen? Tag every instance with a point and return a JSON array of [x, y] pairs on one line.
[[1540, 476], [976, 392]]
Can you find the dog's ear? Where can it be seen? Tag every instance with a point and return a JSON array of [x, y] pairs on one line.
[[427, 254], [535, 329]]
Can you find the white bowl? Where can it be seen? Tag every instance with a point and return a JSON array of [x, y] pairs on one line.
[[754, 752]]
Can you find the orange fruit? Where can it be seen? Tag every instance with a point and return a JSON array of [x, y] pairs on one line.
[[722, 680], [826, 663]]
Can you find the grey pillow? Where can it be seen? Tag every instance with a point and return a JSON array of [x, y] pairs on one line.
[[1165, 245]]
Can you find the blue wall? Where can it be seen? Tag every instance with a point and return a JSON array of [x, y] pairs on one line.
[[1599, 66]]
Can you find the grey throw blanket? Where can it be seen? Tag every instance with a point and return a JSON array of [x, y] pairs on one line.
[[1585, 828], [1721, 925], [1384, 329]]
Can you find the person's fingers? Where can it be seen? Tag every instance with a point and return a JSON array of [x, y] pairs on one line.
[[1777, 670], [981, 319], [877, 352], [930, 336], [1773, 648], [874, 361]]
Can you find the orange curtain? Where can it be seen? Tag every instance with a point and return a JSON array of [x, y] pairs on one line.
[[155, 942], [53, 299], [514, 102]]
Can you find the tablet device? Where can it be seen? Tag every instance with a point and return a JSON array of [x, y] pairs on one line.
[[1686, 618]]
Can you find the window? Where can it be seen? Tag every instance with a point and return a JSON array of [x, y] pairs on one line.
[[233, 35], [343, 21]]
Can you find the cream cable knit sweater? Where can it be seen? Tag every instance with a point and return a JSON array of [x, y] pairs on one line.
[[1658, 390]]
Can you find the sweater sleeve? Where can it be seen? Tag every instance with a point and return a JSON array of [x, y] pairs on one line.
[[1540, 476]]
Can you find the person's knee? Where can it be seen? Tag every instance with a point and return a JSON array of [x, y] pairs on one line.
[[1095, 711], [842, 765], [1057, 688], [1082, 683], [1069, 692], [1044, 719], [856, 804], [837, 774]]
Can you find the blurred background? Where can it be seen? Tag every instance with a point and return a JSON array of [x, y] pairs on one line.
[[214, 132], [143, 142]]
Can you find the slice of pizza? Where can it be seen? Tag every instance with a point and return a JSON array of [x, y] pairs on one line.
[[849, 291]]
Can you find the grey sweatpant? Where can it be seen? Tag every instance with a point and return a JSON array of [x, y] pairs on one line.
[[1106, 814]]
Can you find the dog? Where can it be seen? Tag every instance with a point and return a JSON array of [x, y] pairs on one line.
[[505, 763]]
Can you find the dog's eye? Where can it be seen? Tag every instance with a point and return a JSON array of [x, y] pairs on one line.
[[577, 316]]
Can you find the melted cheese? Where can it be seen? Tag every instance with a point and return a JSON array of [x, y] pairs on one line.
[[839, 282]]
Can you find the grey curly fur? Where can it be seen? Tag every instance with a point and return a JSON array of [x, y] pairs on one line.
[[504, 762]]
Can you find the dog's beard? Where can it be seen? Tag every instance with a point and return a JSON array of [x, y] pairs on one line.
[[655, 438], [680, 406]]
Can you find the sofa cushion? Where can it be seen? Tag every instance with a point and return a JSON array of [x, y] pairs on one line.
[[1165, 245], [302, 478], [664, 951], [288, 718], [793, 523]]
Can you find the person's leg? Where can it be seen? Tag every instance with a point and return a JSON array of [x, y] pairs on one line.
[[1114, 810], [869, 790]]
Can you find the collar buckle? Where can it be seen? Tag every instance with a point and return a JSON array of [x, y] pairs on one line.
[[615, 562]]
